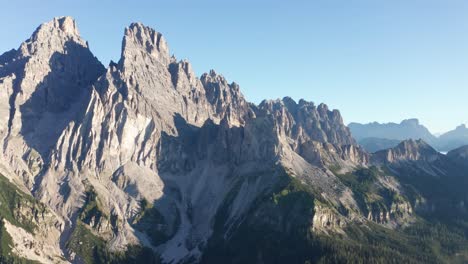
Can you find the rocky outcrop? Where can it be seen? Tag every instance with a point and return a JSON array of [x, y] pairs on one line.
[[408, 150], [326, 220], [345, 157], [304, 121], [226, 99], [398, 213]]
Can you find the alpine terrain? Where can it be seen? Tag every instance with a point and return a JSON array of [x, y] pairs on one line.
[[144, 162]]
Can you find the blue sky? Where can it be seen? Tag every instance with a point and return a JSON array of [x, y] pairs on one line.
[[373, 60]]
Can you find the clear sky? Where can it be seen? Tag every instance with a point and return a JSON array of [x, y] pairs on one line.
[[373, 60]]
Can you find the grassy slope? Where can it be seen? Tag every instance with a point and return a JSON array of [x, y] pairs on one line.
[[10, 199]]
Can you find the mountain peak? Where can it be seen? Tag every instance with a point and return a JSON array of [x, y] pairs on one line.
[[414, 144], [411, 121], [67, 24], [63, 24], [408, 150], [53, 36], [140, 40]]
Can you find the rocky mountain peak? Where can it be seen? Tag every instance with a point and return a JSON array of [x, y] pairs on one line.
[[305, 121], [46, 78], [144, 42], [225, 97], [65, 24], [411, 144], [410, 122], [408, 150], [213, 77], [218, 90], [323, 108], [53, 36], [183, 67]]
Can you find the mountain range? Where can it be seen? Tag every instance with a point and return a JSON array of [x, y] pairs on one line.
[[376, 136], [144, 162]]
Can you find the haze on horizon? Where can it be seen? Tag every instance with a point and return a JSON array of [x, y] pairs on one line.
[[373, 60]]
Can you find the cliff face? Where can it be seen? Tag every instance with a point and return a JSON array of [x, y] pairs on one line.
[[44, 84]]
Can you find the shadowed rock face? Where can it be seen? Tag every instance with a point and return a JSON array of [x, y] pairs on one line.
[[460, 155], [45, 84]]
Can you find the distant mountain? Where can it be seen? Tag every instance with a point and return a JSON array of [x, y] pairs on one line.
[[373, 144], [453, 139], [375, 136], [407, 129]]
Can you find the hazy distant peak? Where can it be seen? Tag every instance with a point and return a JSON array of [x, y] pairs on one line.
[[406, 129], [411, 121]]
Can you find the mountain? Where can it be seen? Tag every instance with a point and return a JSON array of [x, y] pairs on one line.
[[460, 155], [453, 139], [144, 162], [407, 129], [408, 150], [375, 136], [372, 144]]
